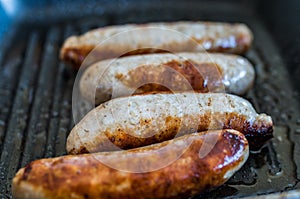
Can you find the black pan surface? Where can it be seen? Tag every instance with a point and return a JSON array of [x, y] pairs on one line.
[[36, 87]]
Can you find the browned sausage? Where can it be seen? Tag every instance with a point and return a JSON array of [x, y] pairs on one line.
[[172, 169], [203, 72], [156, 37], [140, 120]]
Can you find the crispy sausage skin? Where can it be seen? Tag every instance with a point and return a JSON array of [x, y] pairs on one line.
[[141, 120], [177, 37], [86, 176], [202, 72]]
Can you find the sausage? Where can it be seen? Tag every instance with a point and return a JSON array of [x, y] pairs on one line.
[[202, 72], [177, 170], [140, 120], [130, 39]]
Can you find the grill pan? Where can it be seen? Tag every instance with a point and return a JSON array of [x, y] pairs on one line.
[[36, 88]]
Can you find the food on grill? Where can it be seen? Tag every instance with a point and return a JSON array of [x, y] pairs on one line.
[[164, 132], [156, 37], [141, 120], [86, 176], [202, 72]]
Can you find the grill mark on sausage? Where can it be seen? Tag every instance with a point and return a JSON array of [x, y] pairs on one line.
[[126, 139], [176, 76]]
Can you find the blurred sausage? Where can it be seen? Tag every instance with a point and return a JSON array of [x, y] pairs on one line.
[[130, 39]]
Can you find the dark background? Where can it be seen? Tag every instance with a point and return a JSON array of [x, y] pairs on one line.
[[282, 18]]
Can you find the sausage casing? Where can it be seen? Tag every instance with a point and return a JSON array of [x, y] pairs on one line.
[[202, 72], [184, 36], [86, 176], [140, 120]]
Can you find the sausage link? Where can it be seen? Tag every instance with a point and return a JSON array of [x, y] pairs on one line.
[[140, 120], [201, 72], [86, 176], [114, 41]]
